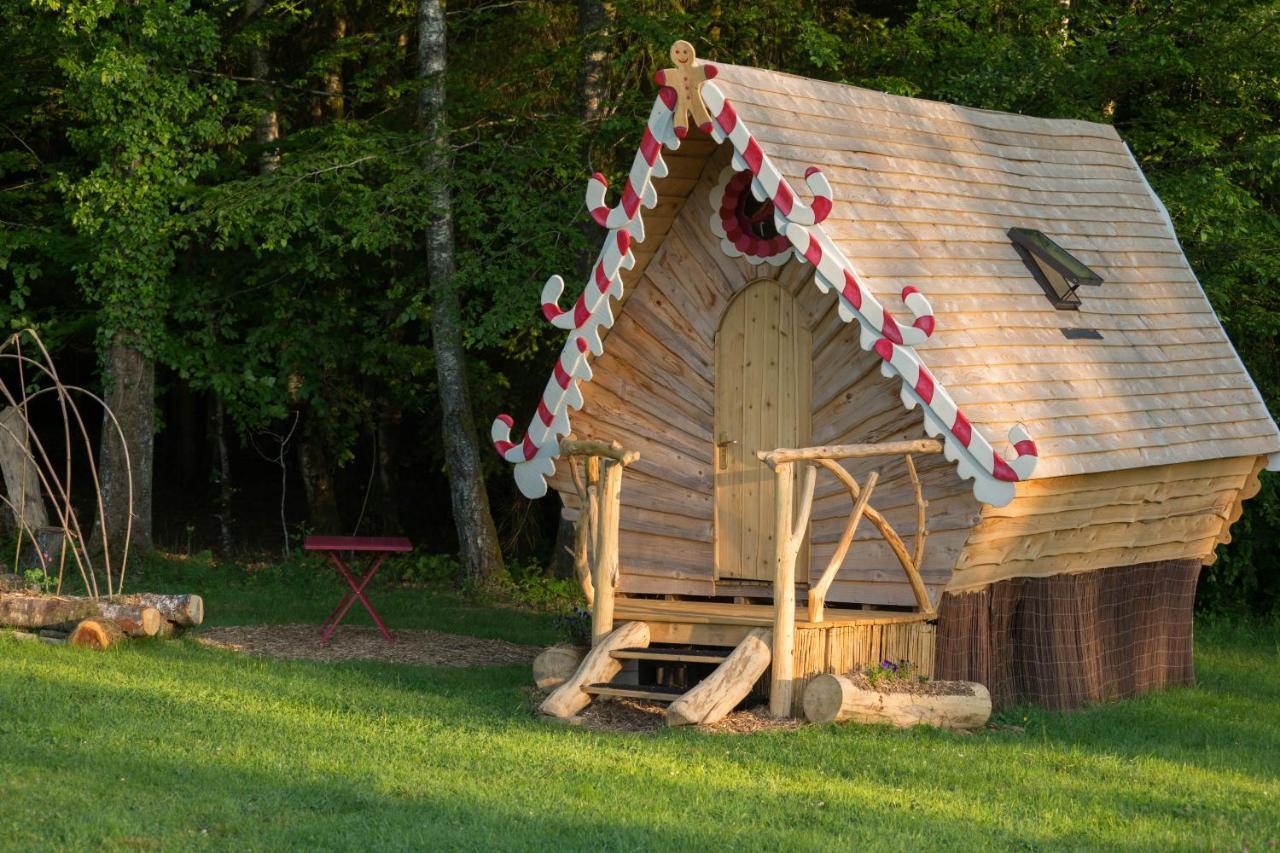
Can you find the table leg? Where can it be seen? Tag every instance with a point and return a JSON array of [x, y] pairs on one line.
[[357, 591]]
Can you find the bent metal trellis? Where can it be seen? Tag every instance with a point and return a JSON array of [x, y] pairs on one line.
[[35, 377], [534, 456]]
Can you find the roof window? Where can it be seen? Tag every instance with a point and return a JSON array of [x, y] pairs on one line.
[[1059, 272]]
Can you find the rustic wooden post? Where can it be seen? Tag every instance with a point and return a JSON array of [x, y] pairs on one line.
[[584, 534], [606, 556], [784, 594], [818, 591]]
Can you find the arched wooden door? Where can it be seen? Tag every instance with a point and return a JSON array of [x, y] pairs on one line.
[[763, 382]]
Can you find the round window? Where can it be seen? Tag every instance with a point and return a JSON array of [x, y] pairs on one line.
[[745, 223]]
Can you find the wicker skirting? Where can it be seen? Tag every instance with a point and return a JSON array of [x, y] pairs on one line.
[[1067, 640]]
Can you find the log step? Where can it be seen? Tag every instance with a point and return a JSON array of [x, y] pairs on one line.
[[699, 655], [652, 692]]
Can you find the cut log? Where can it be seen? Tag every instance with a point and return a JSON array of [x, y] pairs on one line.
[[169, 630], [554, 666], [835, 698], [722, 690], [597, 667], [96, 634], [21, 610], [186, 610], [20, 636], [134, 619]]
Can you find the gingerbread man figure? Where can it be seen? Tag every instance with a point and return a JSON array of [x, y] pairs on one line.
[[686, 81]]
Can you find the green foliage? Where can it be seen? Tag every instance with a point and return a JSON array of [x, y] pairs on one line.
[[135, 200], [887, 672], [144, 119], [40, 580]]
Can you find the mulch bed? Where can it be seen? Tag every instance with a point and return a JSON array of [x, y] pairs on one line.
[[912, 685], [637, 716], [423, 648]]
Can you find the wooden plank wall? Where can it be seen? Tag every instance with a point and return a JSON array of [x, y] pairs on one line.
[[853, 403], [1096, 521], [654, 391]]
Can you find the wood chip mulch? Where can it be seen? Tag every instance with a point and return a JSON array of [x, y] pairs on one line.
[[638, 716], [913, 686], [423, 648]]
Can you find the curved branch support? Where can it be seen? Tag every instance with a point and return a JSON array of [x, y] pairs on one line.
[[917, 555], [889, 535]]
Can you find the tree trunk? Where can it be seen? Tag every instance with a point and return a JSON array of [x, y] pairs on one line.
[[598, 666], [593, 80], [388, 452], [183, 610], [477, 534], [96, 634], [317, 481], [333, 105], [593, 32], [835, 698], [267, 129], [556, 665], [225, 488], [21, 479], [19, 610], [136, 620], [131, 396]]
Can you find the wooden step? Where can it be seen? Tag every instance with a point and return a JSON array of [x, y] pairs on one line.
[[715, 656], [652, 692]]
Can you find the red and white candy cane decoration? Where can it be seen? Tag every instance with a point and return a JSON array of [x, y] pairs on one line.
[[534, 456], [646, 166], [993, 476], [769, 183], [834, 272], [963, 444]]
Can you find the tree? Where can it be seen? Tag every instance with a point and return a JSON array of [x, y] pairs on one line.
[[477, 534], [146, 122]]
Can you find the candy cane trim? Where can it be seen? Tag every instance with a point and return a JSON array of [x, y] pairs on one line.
[[534, 455], [974, 456]]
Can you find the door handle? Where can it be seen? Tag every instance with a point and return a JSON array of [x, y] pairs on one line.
[[724, 442]]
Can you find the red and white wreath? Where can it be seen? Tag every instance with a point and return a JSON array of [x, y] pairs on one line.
[[746, 225]]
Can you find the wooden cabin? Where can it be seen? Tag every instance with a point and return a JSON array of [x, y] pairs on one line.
[[889, 378]]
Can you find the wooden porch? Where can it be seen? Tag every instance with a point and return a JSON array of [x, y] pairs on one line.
[[799, 641], [721, 623]]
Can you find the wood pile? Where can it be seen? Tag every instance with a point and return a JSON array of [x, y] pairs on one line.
[[97, 623]]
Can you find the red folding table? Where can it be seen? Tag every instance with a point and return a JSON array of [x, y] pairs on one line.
[[377, 547]]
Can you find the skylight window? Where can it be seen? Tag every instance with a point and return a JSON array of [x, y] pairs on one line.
[[1059, 272]]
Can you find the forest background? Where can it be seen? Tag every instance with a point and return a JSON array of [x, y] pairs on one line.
[[300, 244]]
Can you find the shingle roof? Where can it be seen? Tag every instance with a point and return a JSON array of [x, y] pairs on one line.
[[925, 193]]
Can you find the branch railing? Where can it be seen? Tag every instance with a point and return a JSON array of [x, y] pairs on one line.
[[789, 534], [598, 481]]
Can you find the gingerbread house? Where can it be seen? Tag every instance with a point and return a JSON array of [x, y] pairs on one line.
[[858, 376]]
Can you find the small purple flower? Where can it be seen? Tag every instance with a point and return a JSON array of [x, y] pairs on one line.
[[889, 665]]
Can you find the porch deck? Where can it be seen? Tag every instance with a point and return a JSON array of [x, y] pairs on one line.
[[726, 623], [751, 615]]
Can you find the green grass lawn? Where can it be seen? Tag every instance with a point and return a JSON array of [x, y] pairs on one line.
[[173, 745]]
